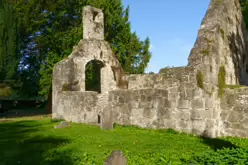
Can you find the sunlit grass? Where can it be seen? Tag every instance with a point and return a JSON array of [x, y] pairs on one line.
[[33, 140]]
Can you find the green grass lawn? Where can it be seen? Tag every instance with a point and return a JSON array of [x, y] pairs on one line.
[[34, 141]]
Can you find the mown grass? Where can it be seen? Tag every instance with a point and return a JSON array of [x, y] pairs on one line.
[[33, 141]]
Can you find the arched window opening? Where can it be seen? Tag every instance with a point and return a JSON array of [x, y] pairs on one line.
[[93, 76]]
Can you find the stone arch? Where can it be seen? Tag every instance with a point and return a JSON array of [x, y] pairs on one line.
[[93, 75]]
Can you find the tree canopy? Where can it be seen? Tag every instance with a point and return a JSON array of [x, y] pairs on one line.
[[9, 43], [50, 29], [9, 48]]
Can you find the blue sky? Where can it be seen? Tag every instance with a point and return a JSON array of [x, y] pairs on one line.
[[171, 25]]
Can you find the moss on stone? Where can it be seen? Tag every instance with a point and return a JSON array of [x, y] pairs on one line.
[[199, 78], [218, 2], [235, 86], [225, 60], [221, 81], [208, 40], [204, 52], [65, 87], [222, 33]]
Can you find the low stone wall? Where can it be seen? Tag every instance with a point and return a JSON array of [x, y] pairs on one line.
[[183, 108], [169, 77], [234, 113], [161, 109], [79, 107]]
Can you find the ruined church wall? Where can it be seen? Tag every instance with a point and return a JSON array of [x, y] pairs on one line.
[[168, 77], [78, 107], [234, 115], [182, 108], [221, 41]]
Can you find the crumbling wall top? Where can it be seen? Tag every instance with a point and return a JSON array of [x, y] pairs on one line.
[[93, 23]]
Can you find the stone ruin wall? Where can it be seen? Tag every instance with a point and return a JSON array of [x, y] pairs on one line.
[[69, 74], [173, 99], [234, 114], [166, 102], [221, 41]]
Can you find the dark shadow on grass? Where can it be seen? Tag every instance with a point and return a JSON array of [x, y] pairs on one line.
[[14, 113], [20, 143], [216, 143]]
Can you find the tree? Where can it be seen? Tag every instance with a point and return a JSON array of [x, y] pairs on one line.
[[244, 6], [9, 43], [9, 49], [60, 28]]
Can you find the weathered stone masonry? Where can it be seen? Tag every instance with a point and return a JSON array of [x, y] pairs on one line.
[[171, 99]]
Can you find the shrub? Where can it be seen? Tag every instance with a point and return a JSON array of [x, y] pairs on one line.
[[221, 157], [5, 90]]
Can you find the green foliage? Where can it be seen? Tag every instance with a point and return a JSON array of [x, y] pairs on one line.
[[221, 157], [244, 6], [61, 28], [5, 90], [9, 42], [46, 71], [199, 79], [221, 80]]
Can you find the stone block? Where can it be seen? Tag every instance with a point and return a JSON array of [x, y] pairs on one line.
[[116, 158], [198, 131], [198, 124], [149, 113], [166, 123], [182, 115], [183, 104], [189, 93], [197, 93], [209, 103], [224, 115], [165, 93], [197, 104], [182, 124], [174, 96], [196, 115], [244, 123], [145, 104], [107, 119], [235, 117], [124, 108], [173, 90], [164, 113], [241, 133], [62, 124], [210, 124], [230, 99]]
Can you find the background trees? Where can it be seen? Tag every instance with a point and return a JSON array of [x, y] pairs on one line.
[[9, 48], [49, 30]]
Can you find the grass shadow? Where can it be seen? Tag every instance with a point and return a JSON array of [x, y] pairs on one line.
[[21, 144], [14, 113], [216, 143]]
